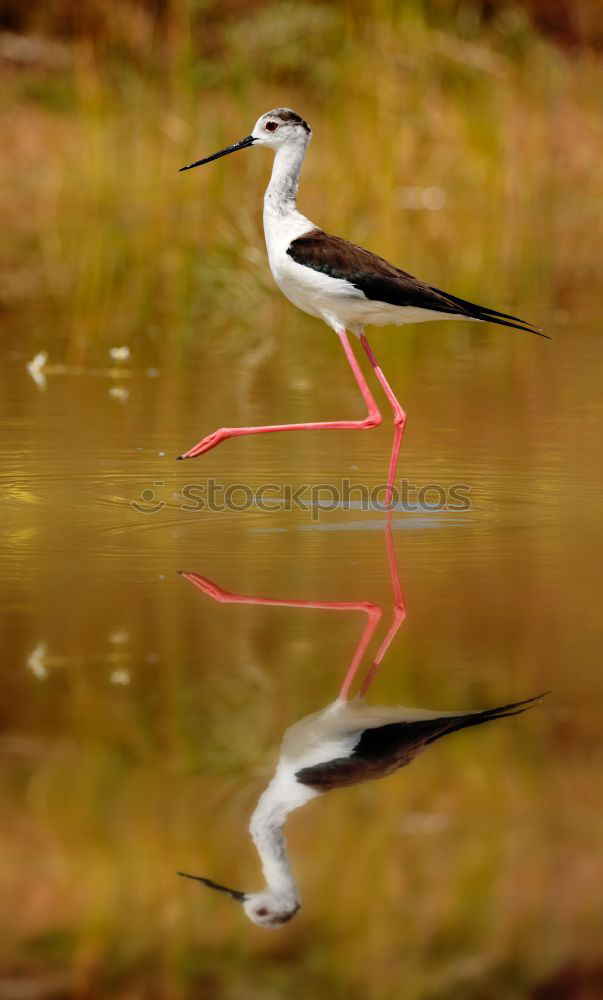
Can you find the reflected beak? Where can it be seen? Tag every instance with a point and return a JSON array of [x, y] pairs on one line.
[[247, 141], [235, 893]]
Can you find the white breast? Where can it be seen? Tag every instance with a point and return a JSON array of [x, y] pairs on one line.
[[312, 291], [334, 300]]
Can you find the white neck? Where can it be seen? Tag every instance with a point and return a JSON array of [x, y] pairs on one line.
[[267, 830], [281, 193]]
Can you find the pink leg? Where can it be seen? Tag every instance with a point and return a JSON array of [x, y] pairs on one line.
[[372, 612], [373, 418], [399, 613], [399, 419]]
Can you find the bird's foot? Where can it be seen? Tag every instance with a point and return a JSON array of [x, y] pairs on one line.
[[206, 444], [207, 586]]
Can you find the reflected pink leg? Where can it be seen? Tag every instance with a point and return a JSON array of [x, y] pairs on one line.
[[399, 613], [372, 612], [373, 418], [399, 419]]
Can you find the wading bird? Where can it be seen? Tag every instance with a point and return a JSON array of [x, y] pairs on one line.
[[343, 284], [344, 744]]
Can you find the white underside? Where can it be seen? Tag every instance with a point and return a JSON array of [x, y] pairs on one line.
[[326, 735], [333, 300]]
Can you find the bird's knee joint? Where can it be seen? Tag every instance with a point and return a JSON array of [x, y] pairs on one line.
[[399, 418], [373, 420]]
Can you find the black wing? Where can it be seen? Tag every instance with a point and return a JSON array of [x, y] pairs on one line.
[[384, 749], [381, 281]]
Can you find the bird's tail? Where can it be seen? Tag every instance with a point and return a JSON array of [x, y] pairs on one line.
[[473, 311], [453, 723]]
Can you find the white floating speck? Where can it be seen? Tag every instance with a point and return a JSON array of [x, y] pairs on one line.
[[119, 353], [152, 372], [35, 663], [35, 367], [121, 677], [119, 392], [161, 454]]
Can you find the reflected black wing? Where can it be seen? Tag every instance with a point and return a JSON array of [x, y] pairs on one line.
[[384, 749]]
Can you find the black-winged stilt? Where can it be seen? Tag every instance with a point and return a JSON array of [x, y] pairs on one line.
[[344, 744], [343, 284]]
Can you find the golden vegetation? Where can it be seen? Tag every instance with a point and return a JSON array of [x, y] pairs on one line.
[[107, 240]]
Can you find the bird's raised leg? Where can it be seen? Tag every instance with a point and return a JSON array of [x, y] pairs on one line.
[[372, 419], [372, 612], [399, 419], [399, 612]]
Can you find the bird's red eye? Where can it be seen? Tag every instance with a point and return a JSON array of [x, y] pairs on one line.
[[262, 912], [271, 126]]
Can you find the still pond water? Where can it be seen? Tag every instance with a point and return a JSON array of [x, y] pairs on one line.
[[142, 717]]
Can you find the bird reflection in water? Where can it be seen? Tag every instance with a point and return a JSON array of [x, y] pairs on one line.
[[346, 743]]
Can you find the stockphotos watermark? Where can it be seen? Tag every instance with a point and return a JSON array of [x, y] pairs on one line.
[[214, 497]]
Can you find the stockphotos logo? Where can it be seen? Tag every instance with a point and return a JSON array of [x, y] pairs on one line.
[[214, 497]]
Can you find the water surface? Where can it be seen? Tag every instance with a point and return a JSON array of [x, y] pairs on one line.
[[141, 718]]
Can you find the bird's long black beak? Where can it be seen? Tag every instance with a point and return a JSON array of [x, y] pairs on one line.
[[247, 141], [235, 893]]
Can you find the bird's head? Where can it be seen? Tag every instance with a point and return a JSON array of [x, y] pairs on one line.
[[278, 128], [281, 127], [269, 909], [265, 908]]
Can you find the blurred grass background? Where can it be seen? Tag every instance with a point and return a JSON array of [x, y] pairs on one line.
[[491, 111], [462, 140]]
